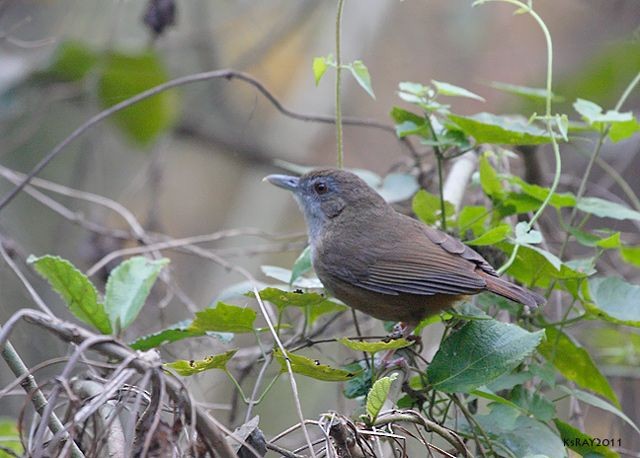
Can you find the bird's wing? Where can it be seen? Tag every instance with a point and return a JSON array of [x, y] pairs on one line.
[[421, 261]]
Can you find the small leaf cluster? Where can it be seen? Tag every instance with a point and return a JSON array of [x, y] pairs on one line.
[[357, 68]]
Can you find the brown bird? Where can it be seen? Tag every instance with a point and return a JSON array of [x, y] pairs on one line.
[[384, 263]]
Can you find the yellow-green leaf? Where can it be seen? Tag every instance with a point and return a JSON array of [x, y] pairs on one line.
[[186, 368], [312, 368], [224, 318], [374, 347], [378, 395]]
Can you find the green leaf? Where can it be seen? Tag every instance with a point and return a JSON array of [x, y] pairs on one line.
[[631, 254], [535, 266], [489, 180], [455, 91], [575, 364], [534, 403], [600, 404], [582, 443], [492, 236], [360, 384], [72, 61], [124, 76], [79, 294], [361, 74], [490, 128], [426, 206], [524, 91], [614, 300], [374, 347], [522, 435], [10, 437], [312, 368], [173, 333], [302, 265], [472, 217], [315, 303], [613, 241], [479, 352], [319, 68], [408, 123], [593, 240], [623, 125], [192, 367], [224, 318], [378, 395], [606, 209], [558, 200], [128, 287], [524, 235]]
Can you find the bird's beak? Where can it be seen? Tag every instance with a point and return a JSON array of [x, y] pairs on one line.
[[283, 181]]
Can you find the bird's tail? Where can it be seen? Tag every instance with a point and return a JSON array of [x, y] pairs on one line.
[[513, 292]]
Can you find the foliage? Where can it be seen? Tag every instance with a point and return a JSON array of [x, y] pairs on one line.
[[512, 359]]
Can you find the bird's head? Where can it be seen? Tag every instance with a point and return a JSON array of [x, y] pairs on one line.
[[325, 194]]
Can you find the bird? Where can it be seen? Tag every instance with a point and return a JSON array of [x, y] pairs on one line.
[[381, 262]]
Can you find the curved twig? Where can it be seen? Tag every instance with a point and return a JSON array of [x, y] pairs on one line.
[[181, 81]]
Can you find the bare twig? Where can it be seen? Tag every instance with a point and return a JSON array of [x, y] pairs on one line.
[[181, 81]]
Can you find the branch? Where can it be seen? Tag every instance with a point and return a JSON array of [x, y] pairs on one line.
[[181, 81], [142, 362]]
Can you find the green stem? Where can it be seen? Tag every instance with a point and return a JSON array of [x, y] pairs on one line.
[[556, 151], [439, 163], [340, 160]]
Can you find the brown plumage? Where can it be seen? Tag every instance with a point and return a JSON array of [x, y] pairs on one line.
[[383, 263]]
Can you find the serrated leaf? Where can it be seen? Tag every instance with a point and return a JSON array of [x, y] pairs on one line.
[[490, 128], [125, 75], [614, 300], [426, 206], [319, 68], [575, 364], [606, 209], [525, 91], [374, 347], [361, 74], [582, 443], [302, 265], [77, 291], [72, 61], [192, 367], [600, 404], [224, 318], [492, 236], [454, 91], [312, 368], [316, 304], [378, 395], [128, 287], [479, 352], [524, 235]]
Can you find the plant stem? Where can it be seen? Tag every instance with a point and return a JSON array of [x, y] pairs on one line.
[[439, 162], [340, 160]]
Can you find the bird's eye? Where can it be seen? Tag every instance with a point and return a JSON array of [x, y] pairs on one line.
[[320, 187]]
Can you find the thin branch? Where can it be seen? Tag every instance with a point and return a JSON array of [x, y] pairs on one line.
[[19, 369], [181, 81]]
